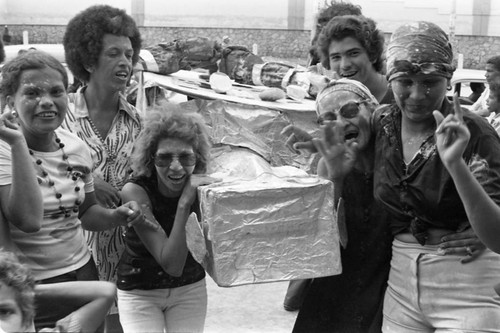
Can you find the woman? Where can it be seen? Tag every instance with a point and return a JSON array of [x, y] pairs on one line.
[[34, 86], [160, 286], [103, 58], [351, 301], [429, 194]]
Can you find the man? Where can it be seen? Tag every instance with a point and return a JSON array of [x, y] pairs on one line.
[[492, 73]]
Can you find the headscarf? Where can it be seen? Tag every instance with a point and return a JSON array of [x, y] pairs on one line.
[[352, 86], [420, 47]]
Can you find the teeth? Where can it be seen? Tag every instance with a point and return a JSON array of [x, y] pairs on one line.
[[47, 114], [176, 177]]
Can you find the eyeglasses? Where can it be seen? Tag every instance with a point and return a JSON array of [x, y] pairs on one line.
[[349, 110], [164, 160]]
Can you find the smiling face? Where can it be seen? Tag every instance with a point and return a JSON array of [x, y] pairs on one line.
[[419, 95], [350, 60], [114, 65], [11, 317], [40, 101], [351, 112], [174, 163], [492, 74]]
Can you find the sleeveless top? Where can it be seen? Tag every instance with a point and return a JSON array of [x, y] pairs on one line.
[[137, 268]]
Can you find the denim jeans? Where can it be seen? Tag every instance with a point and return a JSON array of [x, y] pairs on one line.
[[428, 292], [181, 309]]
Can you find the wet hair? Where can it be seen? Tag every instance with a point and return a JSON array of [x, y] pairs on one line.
[[18, 277], [495, 61], [333, 9], [83, 39], [359, 27], [163, 121], [32, 59]]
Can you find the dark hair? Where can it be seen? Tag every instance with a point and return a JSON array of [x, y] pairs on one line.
[[85, 32], [333, 9], [18, 277], [2, 51], [477, 86], [359, 27], [495, 61], [32, 59], [167, 120]]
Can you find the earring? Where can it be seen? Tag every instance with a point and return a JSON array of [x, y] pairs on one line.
[[448, 87]]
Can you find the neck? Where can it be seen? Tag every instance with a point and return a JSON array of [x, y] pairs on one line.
[[42, 143], [101, 102], [378, 85], [365, 160], [411, 127]]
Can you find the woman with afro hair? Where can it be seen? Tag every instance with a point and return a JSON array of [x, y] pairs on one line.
[[102, 45]]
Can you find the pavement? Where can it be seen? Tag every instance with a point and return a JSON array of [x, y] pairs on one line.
[[254, 308]]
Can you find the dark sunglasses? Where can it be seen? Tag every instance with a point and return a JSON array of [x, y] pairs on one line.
[[348, 111], [164, 160]]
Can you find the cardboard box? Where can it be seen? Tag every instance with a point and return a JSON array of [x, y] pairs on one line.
[[266, 229]]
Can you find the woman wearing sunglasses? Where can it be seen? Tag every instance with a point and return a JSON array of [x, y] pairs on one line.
[[435, 177], [161, 287]]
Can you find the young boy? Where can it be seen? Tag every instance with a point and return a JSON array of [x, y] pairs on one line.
[[17, 293]]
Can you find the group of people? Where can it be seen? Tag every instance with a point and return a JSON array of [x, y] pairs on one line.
[[95, 195]]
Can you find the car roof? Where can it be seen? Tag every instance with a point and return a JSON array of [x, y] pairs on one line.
[[464, 74]]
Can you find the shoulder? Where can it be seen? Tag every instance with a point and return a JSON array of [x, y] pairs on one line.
[[130, 110], [383, 114]]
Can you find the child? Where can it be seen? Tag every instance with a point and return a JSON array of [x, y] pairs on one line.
[[17, 293]]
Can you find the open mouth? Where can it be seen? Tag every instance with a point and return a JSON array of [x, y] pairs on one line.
[[351, 134], [348, 75], [122, 75], [47, 114], [176, 178]]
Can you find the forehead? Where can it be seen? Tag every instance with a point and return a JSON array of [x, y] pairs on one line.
[[40, 77], [344, 45], [110, 41], [172, 145], [335, 100], [491, 68]]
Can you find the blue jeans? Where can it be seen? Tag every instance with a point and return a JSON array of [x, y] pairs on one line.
[[181, 309], [428, 292]]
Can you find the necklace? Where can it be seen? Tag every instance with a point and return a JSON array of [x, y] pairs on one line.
[[111, 152], [66, 211]]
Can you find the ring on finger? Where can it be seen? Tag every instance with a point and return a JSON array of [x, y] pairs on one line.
[[468, 250]]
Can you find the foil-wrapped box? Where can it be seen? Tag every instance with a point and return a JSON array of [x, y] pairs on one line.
[[266, 229]]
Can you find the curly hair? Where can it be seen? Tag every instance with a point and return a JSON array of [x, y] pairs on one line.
[[359, 27], [164, 121], [18, 277], [333, 9], [32, 59], [83, 39]]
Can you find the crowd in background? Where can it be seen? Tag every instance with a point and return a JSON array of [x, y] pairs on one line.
[[95, 193]]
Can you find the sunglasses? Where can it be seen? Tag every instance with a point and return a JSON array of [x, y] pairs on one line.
[[164, 160], [349, 110]]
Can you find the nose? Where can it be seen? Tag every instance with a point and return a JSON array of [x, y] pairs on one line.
[[345, 62], [419, 91], [46, 101], [175, 164]]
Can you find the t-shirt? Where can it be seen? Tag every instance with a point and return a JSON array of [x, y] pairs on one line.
[[59, 246]]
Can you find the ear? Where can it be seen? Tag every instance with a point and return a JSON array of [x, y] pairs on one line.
[[10, 102], [89, 68]]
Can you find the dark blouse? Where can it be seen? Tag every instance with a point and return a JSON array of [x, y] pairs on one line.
[[423, 194], [137, 268]]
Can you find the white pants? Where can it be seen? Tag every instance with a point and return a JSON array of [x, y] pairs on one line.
[[181, 309]]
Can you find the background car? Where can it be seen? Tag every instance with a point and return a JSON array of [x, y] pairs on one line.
[[461, 84]]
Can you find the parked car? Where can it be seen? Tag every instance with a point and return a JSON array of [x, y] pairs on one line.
[[460, 84]]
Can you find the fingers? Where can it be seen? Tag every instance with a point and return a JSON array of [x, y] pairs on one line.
[[459, 113], [438, 116], [308, 146]]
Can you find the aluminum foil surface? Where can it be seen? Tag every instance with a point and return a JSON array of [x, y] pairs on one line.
[[271, 227]]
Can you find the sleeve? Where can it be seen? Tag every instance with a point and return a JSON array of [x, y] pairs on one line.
[[5, 164], [70, 323]]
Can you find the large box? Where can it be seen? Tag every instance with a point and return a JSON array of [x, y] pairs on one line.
[[266, 229]]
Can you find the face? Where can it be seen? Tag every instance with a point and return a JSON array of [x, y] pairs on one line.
[[351, 112], [493, 103], [11, 318], [350, 60], [492, 73], [418, 95], [175, 161], [40, 101], [114, 65]]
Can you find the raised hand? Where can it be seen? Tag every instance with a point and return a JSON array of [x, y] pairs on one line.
[[337, 155], [9, 128], [452, 135], [189, 192], [298, 139]]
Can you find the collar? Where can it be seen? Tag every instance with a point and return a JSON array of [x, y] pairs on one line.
[[81, 110]]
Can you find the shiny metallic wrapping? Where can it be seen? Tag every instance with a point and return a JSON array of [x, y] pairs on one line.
[[266, 229]]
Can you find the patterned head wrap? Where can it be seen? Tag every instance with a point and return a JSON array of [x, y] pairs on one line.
[[352, 86], [420, 47]]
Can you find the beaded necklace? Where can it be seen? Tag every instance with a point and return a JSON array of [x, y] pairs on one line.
[[66, 211], [111, 151]]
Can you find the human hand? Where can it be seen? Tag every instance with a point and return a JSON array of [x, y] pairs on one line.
[[462, 242], [128, 214], [194, 181], [452, 135], [106, 194], [9, 128], [298, 139], [338, 155]]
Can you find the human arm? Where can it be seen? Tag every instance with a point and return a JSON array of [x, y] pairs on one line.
[[21, 201], [169, 251], [106, 194], [452, 137], [92, 298]]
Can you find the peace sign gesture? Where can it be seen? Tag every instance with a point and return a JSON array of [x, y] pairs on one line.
[[452, 135]]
